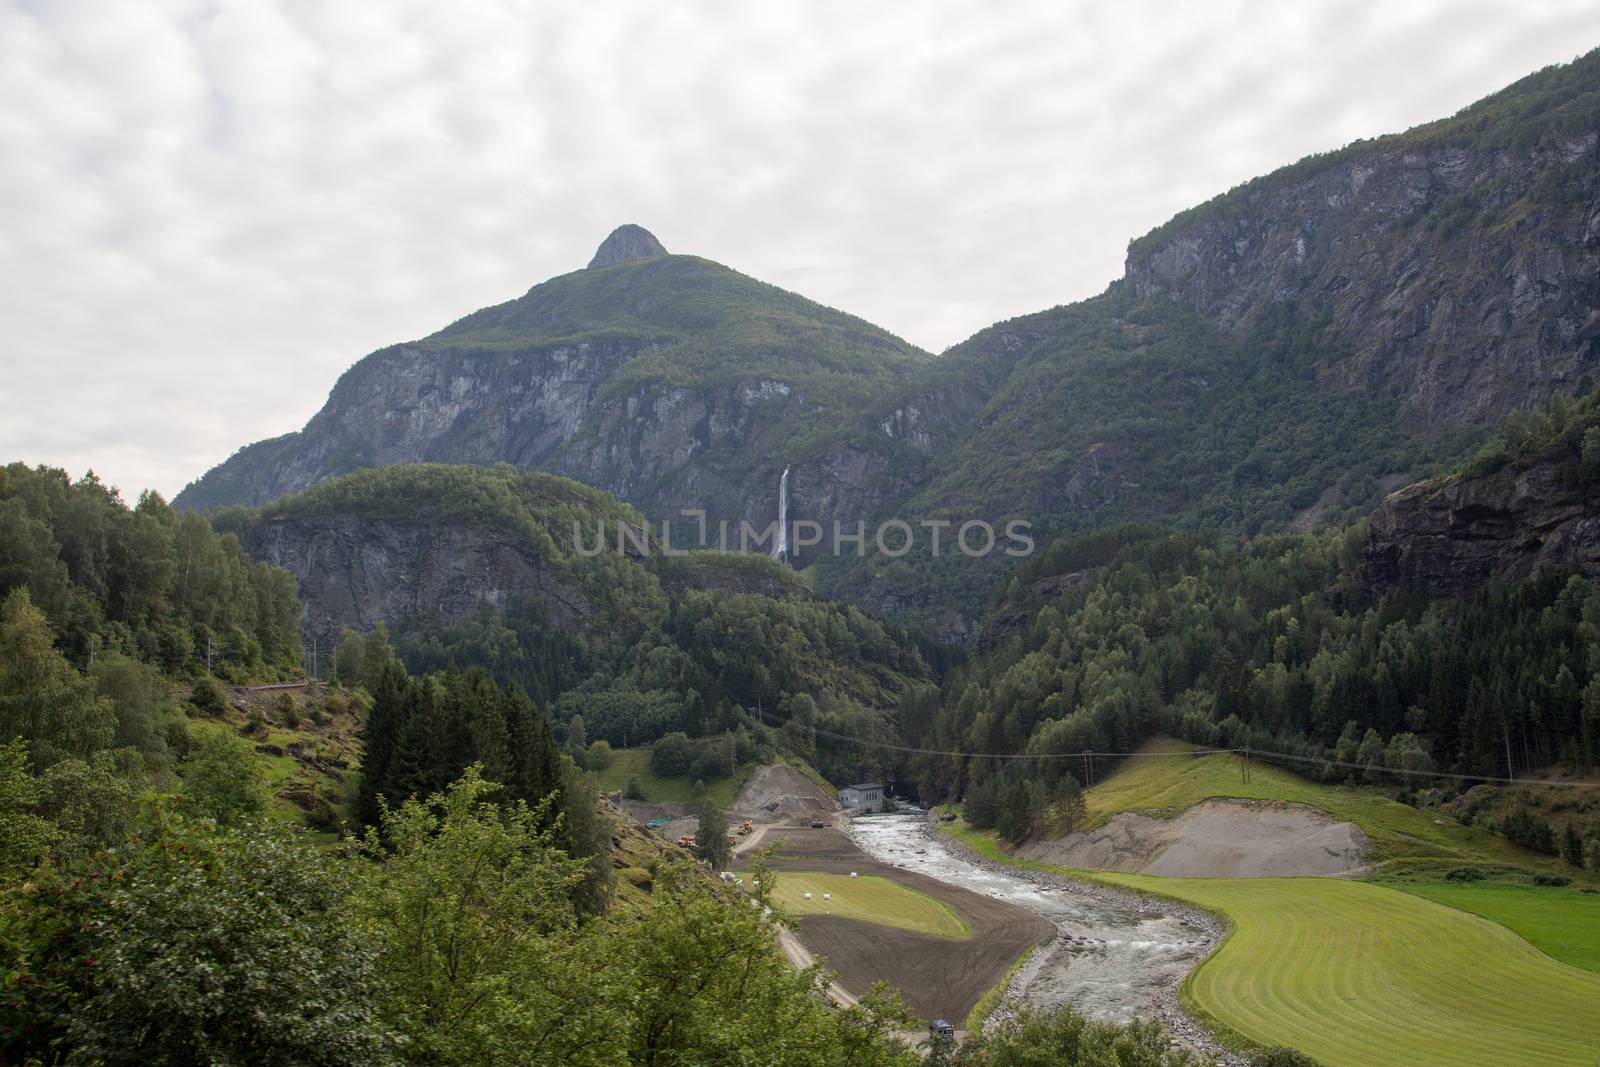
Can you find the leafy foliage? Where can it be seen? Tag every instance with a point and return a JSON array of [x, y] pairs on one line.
[[43, 698], [1066, 1038], [193, 945], [223, 780], [143, 581], [1272, 644], [471, 905]]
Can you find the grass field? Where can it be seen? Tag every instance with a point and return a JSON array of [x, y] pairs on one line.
[[869, 898], [1167, 784], [1363, 975], [1563, 922], [627, 762]]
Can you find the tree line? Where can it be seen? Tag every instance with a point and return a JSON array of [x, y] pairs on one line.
[[144, 582], [1275, 644]]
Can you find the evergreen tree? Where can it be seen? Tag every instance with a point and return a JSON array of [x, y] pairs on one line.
[[1572, 844], [535, 762], [380, 732]]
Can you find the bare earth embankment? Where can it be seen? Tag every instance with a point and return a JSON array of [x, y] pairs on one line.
[[1214, 839]]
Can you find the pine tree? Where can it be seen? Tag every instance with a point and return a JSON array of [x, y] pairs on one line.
[[535, 763], [419, 766], [1572, 845], [380, 732], [490, 736]]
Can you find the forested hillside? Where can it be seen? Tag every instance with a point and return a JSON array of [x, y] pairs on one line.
[[1118, 409], [143, 581], [1273, 644], [465, 920], [474, 567]]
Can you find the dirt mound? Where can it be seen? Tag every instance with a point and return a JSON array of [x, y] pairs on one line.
[[682, 818], [778, 792], [1214, 839]]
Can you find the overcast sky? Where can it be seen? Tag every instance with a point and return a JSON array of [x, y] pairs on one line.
[[212, 209]]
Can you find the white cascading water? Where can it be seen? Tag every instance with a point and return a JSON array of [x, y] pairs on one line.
[[782, 551]]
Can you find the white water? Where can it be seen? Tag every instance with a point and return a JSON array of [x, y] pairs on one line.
[[1114, 961], [782, 551]]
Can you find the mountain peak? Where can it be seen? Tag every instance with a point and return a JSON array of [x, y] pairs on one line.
[[627, 242]]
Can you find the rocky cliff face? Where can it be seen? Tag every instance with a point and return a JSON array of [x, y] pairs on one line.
[[357, 572], [1271, 357], [1450, 536], [668, 380], [1459, 263]]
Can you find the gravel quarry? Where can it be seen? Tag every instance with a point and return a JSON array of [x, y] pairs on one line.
[[1116, 956], [1214, 839], [777, 793]]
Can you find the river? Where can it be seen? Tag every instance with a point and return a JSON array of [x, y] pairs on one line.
[[1118, 957]]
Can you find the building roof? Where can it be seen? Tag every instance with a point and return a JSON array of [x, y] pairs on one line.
[[864, 785]]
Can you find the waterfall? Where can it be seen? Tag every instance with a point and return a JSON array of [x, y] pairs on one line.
[[782, 551]]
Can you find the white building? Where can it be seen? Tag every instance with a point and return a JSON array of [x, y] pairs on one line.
[[865, 796]]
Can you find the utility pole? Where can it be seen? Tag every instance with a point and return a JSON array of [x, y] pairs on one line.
[[208, 651], [1511, 771], [1244, 767]]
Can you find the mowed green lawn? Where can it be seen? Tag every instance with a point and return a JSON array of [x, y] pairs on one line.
[[1563, 922], [1363, 975], [868, 898], [1164, 782]]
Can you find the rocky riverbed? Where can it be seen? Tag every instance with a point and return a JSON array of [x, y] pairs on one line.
[[1117, 956]]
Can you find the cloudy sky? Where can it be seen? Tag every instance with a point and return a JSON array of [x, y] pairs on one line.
[[211, 209]]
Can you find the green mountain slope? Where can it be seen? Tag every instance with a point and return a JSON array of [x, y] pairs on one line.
[[657, 378]]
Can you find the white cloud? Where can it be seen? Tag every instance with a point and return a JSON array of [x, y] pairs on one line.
[[213, 209]]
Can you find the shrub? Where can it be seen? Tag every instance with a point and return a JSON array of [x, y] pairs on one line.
[[1464, 874], [208, 696], [670, 757], [634, 790], [1556, 880], [223, 780], [1283, 1057]]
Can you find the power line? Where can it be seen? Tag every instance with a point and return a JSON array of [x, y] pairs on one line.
[[1499, 780], [770, 721], [1259, 753]]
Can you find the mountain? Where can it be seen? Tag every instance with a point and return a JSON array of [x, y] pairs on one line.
[[501, 568], [1278, 358], [671, 381], [1459, 262]]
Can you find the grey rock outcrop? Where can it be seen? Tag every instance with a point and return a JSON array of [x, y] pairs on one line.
[[626, 242], [1464, 279], [360, 572], [1450, 536]]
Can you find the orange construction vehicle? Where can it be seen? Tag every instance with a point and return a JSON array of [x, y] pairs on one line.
[[745, 828]]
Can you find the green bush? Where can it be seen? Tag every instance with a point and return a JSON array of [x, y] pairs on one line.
[[208, 697]]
